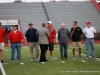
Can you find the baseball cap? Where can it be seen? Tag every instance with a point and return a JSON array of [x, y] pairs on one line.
[[30, 24], [49, 22], [88, 22]]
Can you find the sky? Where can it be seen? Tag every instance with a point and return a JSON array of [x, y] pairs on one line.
[[36, 0]]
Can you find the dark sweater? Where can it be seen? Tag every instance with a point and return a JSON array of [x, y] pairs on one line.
[[63, 35], [31, 35]]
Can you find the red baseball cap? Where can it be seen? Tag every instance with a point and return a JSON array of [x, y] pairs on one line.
[[88, 22]]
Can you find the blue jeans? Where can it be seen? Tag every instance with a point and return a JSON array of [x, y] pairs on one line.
[[63, 53], [16, 46], [90, 41]]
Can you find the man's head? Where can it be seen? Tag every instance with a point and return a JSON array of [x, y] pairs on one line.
[[63, 25], [43, 24], [49, 23], [88, 23], [75, 24], [30, 25], [14, 27]]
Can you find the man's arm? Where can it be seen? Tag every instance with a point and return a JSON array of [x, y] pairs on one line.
[[72, 31], [68, 33], [9, 39], [26, 36], [95, 34], [47, 32], [22, 37], [4, 33], [58, 36]]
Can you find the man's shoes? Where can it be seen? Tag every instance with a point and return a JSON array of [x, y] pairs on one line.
[[51, 58], [61, 59], [19, 61], [45, 60], [32, 60], [80, 58], [12, 61], [87, 58], [2, 61], [74, 58], [37, 59], [94, 58], [66, 58], [42, 62]]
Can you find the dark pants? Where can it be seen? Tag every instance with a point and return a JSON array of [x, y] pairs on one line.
[[43, 48], [63, 52]]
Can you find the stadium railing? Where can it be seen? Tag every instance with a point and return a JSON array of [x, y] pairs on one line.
[[96, 4]]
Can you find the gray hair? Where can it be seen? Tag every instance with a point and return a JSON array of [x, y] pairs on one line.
[[62, 24]]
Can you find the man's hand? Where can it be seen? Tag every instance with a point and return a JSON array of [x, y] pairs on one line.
[[9, 44], [74, 28]]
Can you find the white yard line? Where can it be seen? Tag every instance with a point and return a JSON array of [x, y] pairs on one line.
[[2, 69]]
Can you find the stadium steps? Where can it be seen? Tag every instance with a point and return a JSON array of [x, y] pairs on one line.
[[25, 12], [67, 12]]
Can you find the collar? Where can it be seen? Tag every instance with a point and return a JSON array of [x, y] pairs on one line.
[[88, 27], [14, 30]]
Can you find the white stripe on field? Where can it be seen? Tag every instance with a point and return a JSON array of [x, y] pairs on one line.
[[2, 69]]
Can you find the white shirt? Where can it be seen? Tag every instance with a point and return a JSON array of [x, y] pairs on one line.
[[89, 32], [14, 31]]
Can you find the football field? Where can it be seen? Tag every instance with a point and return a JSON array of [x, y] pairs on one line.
[[55, 67]]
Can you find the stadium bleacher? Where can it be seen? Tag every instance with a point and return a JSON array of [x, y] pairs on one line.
[[58, 12]]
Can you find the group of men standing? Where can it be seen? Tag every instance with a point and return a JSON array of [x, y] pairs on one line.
[[46, 37]]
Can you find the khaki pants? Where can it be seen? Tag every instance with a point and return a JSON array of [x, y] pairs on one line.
[[79, 45], [33, 45]]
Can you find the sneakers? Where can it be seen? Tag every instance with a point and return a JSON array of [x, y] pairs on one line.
[[80, 58], [32, 60], [42, 62], [87, 58], [66, 58], [61, 59], [37, 59], [74, 58], [12, 61], [19, 61], [94, 58], [51, 58]]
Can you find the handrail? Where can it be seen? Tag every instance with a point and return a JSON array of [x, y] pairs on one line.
[[96, 4]]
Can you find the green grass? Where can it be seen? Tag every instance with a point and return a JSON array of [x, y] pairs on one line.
[[54, 67]]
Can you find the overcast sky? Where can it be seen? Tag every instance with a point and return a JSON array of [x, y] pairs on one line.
[[36, 0]]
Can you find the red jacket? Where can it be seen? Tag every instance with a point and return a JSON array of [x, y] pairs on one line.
[[2, 35], [15, 37], [52, 32]]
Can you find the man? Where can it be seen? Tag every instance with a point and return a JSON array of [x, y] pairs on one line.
[[89, 33], [2, 35], [51, 39], [43, 41], [32, 39], [63, 37], [15, 38], [76, 33]]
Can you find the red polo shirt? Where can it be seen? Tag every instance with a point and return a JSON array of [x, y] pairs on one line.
[[2, 35], [15, 36], [52, 32]]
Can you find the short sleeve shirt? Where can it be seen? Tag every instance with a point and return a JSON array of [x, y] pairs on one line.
[[89, 32], [76, 37]]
